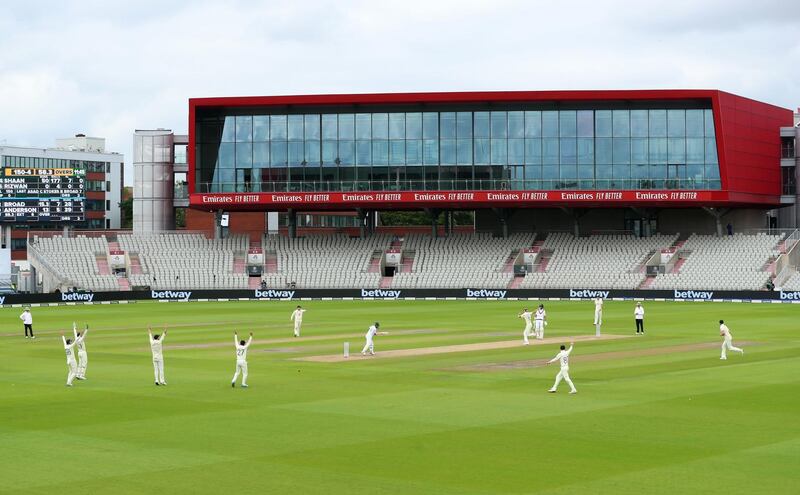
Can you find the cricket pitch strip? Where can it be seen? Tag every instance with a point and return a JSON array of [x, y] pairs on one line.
[[482, 346]]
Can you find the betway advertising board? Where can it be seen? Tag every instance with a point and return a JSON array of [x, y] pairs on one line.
[[89, 297]]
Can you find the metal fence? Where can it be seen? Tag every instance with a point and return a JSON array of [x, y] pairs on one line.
[[456, 185]]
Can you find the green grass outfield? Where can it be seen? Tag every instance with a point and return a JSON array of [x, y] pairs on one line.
[[651, 423]]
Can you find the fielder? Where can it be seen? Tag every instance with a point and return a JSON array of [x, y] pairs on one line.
[[540, 321], [297, 317], [27, 322], [241, 358], [71, 364], [598, 311], [158, 356], [563, 358], [727, 341], [83, 360], [526, 315], [370, 335]]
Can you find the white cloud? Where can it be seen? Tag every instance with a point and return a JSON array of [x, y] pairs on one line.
[[109, 68]]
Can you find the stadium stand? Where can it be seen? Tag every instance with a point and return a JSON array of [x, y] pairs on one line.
[[613, 261], [460, 261], [792, 283], [180, 261], [722, 263], [334, 261], [74, 260], [175, 260]]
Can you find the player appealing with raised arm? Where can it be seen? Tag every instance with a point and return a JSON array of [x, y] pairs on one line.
[[158, 356], [638, 315], [563, 358], [241, 358], [540, 320], [370, 335], [71, 364], [83, 360], [727, 340], [27, 322], [526, 315], [598, 311], [297, 317]]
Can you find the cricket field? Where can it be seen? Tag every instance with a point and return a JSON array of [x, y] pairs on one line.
[[654, 414]]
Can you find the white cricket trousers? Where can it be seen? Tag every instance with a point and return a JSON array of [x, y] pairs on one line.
[[727, 345], [83, 360], [158, 370], [526, 333], [297, 324], [539, 329], [241, 366], [369, 346], [564, 373], [73, 371], [598, 316]]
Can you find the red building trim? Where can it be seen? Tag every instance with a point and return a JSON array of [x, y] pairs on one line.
[[468, 200], [747, 138]]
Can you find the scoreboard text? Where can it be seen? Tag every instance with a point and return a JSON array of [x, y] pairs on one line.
[[42, 195]]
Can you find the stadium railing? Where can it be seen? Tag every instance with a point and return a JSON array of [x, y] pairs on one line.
[[455, 185]]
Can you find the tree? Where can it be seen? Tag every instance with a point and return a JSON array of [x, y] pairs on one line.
[[403, 218], [126, 207], [180, 218]]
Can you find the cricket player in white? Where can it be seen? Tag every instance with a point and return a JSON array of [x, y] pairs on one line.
[[370, 335], [241, 359], [158, 356], [526, 315], [27, 322], [297, 317], [638, 315], [83, 360], [727, 342], [563, 358], [540, 320], [71, 364], [598, 311]]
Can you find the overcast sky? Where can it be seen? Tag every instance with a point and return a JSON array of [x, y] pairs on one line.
[[106, 68]]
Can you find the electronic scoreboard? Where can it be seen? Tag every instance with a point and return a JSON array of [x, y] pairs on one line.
[[42, 195]]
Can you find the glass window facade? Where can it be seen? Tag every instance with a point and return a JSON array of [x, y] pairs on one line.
[[40, 162], [462, 149]]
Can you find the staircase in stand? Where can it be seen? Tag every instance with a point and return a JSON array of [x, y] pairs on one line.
[[136, 264], [386, 282], [508, 267], [239, 263], [375, 262], [102, 264], [270, 262], [544, 260], [253, 282], [114, 246], [515, 282], [642, 267], [647, 282], [407, 261], [123, 283], [676, 268]]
